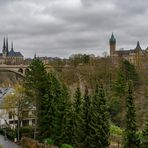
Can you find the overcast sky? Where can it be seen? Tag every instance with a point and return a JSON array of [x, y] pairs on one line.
[[64, 27]]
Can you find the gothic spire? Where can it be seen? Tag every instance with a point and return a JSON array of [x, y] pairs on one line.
[[112, 39], [7, 47], [4, 46], [12, 46], [138, 46], [35, 56]]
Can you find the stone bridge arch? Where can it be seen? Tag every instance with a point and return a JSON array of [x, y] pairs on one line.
[[18, 69]]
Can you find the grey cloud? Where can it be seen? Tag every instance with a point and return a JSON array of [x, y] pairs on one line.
[[64, 27]]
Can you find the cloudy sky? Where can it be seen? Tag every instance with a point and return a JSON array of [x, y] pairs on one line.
[[64, 27]]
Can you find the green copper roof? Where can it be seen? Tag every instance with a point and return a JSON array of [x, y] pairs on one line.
[[112, 39]]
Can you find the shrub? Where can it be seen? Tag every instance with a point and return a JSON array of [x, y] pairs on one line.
[[49, 141], [66, 146], [27, 131], [116, 130]]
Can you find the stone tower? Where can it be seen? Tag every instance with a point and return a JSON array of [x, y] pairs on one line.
[[112, 43]]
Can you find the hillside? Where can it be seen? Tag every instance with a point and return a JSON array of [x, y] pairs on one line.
[[87, 73]]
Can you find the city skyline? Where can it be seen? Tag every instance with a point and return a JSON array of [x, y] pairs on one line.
[[60, 28]]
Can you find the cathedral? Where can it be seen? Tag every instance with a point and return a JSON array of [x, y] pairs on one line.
[[10, 57], [136, 56]]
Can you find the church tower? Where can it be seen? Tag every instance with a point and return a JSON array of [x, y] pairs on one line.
[[5, 47], [112, 43]]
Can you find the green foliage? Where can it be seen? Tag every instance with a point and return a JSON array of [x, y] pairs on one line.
[[99, 124], [78, 117], [120, 84], [126, 72], [130, 137], [66, 146], [1, 146], [115, 130], [114, 107], [144, 139], [87, 117], [129, 72], [49, 141], [61, 114], [27, 131], [37, 86]]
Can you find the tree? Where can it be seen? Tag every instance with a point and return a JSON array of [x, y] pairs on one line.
[[60, 110], [67, 135], [144, 140], [129, 72], [15, 104], [78, 118], [99, 133], [87, 117], [126, 72], [130, 137], [37, 86]]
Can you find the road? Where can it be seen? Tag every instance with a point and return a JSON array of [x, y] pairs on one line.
[[7, 143]]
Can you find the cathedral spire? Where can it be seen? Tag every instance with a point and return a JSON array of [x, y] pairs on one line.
[[138, 46], [12, 46], [112, 43], [7, 46], [35, 56], [112, 39], [4, 46]]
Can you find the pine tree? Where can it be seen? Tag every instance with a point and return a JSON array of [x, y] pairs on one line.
[[99, 133], [69, 127], [78, 118], [129, 72], [144, 141], [61, 115], [87, 118], [130, 138], [36, 84]]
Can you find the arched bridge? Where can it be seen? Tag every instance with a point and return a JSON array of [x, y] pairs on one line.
[[18, 69]]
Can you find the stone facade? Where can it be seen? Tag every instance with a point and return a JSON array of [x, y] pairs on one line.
[[10, 57], [136, 56]]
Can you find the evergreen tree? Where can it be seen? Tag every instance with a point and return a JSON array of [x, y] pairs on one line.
[[99, 124], [87, 118], [144, 141], [129, 72], [126, 72], [78, 118], [61, 116], [130, 138], [70, 126], [36, 84], [120, 85]]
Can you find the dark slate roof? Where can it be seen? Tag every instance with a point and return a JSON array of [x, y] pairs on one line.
[[12, 53], [127, 52], [123, 52]]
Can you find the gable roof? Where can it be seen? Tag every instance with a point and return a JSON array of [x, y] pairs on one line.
[[12, 53]]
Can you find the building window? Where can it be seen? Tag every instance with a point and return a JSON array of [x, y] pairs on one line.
[[25, 123], [10, 115]]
